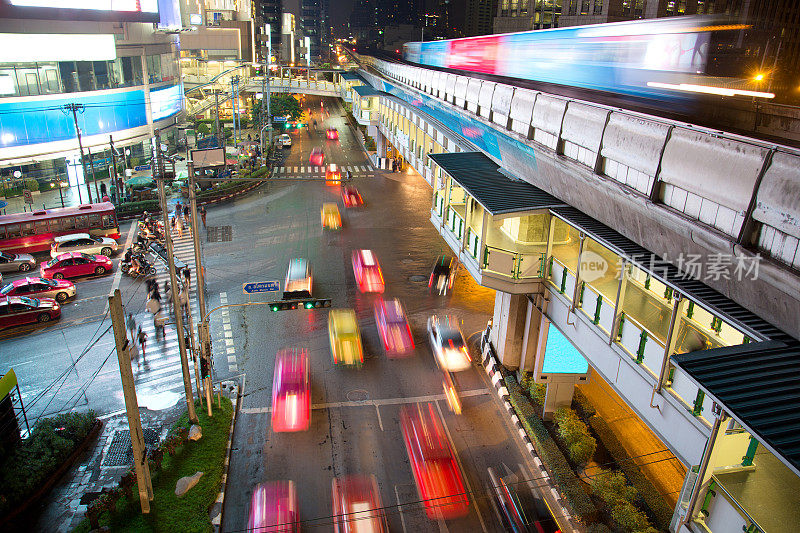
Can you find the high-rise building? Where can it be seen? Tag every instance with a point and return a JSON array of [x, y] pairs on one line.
[[479, 17], [269, 12], [524, 15], [316, 26], [363, 21]]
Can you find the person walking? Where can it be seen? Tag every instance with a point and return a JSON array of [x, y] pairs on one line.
[[178, 209], [183, 297], [187, 276], [131, 322], [186, 216], [159, 320], [203, 215], [141, 336]]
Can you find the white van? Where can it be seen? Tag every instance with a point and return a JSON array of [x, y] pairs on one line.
[[285, 140], [298, 280]]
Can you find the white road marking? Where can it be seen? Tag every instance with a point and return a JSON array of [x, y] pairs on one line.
[[380, 420], [385, 401], [118, 274], [400, 509]]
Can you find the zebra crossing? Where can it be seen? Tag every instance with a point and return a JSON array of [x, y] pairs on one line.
[[159, 370], [314, 171]]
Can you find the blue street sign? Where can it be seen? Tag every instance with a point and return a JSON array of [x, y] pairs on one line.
[[278, 119], [261, 286], [141, 167]]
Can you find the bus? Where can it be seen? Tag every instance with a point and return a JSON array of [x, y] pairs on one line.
[[32, 232]]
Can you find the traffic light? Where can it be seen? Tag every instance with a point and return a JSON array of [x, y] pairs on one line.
[[303, 303]]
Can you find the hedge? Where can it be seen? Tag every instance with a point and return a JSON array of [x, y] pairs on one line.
[[661, 512], [557, 465], [134, 208], [31, 463], [582, 405], [579, 442]]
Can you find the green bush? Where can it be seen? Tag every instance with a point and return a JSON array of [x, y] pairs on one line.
[[563, 476], [631, 519], [31, 463], [612, 487], [134, 208], [135, 161], [369, 143], [580, 444], [582, 405], [661, 512], [31, 184]]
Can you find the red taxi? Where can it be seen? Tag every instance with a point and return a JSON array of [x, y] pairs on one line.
[[15, 311], [332, 134], [433, 463], [59, 289], [351, 197], [357, 505], [317, 157], [75, 264], [393, 327], [291, 391], [367, 271], [273, 508]]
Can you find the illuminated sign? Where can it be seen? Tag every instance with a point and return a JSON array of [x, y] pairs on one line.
[[32, 47], [166, 102], [137, 6], [196, 19]]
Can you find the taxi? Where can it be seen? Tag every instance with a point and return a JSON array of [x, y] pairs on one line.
[[331, 218], [345, 338], [332, 174]]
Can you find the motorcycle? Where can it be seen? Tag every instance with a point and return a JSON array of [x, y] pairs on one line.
[[145, 267]]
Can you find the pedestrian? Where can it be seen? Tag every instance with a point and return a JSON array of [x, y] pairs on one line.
[[141, 336], [187, 275], [166, 290], [154, 292], [159, 320], [103, 190], [394, 165], [186, 216], [131, 324], [203, 215], [172, 223], [178, 209], [183, 296], [179, 226]]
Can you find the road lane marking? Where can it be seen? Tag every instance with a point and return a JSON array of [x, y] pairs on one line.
[[385, 401], [461, 467], [380, 420], [118, 274], [400, 509]]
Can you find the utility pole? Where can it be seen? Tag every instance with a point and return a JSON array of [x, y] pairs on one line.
[[115, 179], [94, 176], [140, 464], [176, 301], [75, 108], [204, 339], [216, 120]]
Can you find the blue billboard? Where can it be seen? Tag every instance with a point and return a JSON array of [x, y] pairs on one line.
[[43, 120], [166, 102]]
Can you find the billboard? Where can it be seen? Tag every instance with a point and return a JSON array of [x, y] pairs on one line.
[[212, 157], [166, 102], [111, 10]]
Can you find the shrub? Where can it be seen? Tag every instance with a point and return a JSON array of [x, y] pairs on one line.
[[661, 512], [29, 466], [134, 208], [582, 405], [556, 463], [580, 444], [31, 184], [612, 487], [631, 519]]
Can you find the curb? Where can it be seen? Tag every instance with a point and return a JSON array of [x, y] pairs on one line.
[[219, 504], [491, 365]]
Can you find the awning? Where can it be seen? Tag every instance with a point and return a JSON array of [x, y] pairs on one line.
[[757, 384], [366, 90], [482, 179], [350, 76]]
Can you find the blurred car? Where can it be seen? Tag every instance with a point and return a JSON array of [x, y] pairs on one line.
[[18, 310], [83, 242], [351, 197], [521, 510], [447, 343], [285, 140], [75, 264], [393, 327], [367, 271], [58, 289], [345, 338], [332, 174], [16, 262], [317, 157], [298, 279], [331, 218], [291, 391], [357, 505], [273, 508], [332, 134], [442, 275], [433, 463]]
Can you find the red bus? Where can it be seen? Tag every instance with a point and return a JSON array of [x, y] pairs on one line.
[[33, 232]]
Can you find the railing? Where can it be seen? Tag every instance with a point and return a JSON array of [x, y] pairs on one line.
[[597, 307], [515, 265], [562, 278], [454, 222], [640, 343], [473, 244], [748, 523]]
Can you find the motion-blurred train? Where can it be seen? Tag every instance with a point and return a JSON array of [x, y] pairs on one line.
[[674, 59]]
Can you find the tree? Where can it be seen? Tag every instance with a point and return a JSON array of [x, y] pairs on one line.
[[280, 106]]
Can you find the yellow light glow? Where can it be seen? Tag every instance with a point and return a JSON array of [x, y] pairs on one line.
[[758, 77], [706, 89]]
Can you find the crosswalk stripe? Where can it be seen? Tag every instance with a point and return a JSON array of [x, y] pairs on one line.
[[282, 169], [316, 169], [295, 170]]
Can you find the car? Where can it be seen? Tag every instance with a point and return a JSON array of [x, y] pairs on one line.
[[351, 197], [367, 271], [19, 310], [285, 140], [331, 218], [357, 505], [393, 327], [345, 338], [447, 343], [273, 508], [83, 242], [442, 275], [291, 391], [332, 134], [59, 289], [16, 262], [75, 264], [317, 157], [521, 508], [438, 479], [332, 174], [298, 279]]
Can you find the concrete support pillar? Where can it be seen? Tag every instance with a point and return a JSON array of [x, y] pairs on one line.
[[560, 389], [508, 327], [532, 342], [380, 143]]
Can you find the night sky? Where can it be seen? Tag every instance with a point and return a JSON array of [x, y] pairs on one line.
[[339, 12]]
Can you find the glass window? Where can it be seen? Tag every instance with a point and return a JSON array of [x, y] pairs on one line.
[[55, 224], [101, 76], [94, 221], [68, 223], [39, 227], [27, 228], [85, 76], [48, 79], [2, 232], [69, 76], [81, 221]]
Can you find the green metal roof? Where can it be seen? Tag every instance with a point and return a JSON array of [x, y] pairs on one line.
[[350, 76], [758, 384], [498, 194], [366, 90]]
